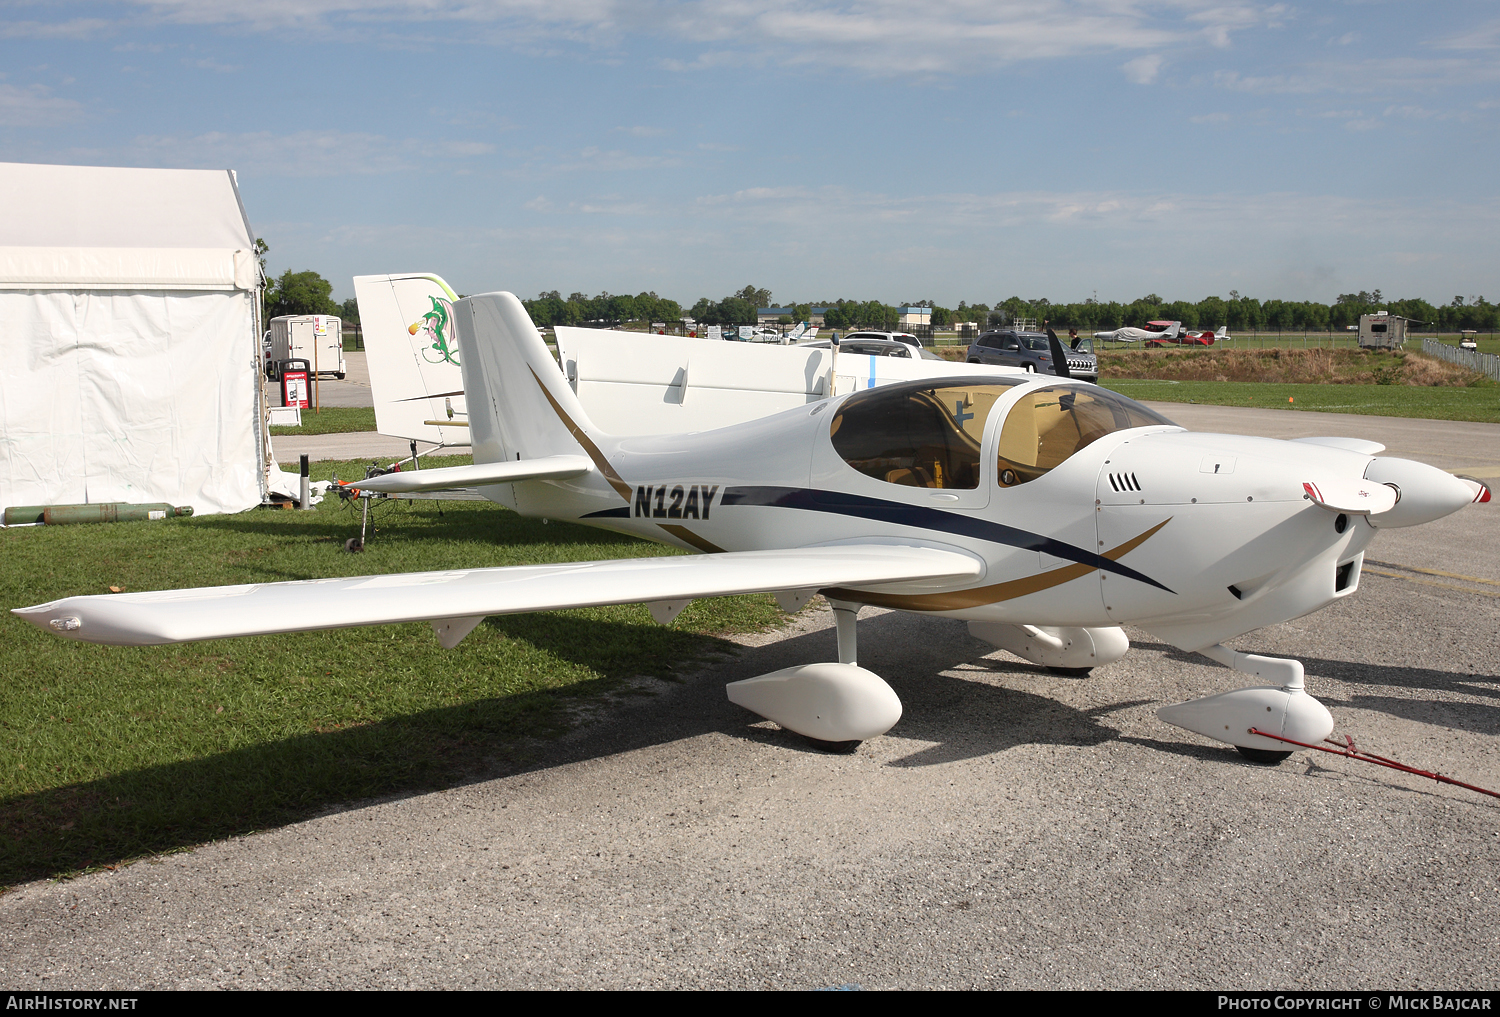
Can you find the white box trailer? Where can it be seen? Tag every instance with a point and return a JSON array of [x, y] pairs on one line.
[[315, 338]]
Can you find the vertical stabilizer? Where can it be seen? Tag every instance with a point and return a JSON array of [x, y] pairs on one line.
[[412, 356], [520, 404]]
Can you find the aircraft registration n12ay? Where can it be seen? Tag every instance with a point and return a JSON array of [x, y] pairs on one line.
[[1045, 512]]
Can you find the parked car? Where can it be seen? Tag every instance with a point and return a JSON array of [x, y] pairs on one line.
[[900, 337], [1030, 351], [1082, 361], [868, 347]]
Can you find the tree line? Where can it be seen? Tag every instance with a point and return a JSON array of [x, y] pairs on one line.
[[1235, 311]]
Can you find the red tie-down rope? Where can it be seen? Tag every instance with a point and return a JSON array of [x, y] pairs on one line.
[[1348, 751]]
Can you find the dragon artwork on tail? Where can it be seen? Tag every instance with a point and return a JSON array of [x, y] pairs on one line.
[[437, 324]]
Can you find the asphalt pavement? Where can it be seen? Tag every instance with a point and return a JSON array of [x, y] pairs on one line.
[[354, 390], [1016, 829]]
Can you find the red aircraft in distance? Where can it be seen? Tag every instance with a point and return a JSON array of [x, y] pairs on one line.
[[1184, 338]]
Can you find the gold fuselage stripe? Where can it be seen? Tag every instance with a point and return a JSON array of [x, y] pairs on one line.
[[959, 600], [600, 463], [688, 536]]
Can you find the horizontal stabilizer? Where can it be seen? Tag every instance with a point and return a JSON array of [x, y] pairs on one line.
[[1360, 497], [176, 616], [477, 475]]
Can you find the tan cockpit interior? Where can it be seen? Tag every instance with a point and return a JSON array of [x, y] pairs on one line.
[[924, 435]]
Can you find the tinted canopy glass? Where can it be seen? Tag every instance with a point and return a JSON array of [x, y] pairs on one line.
[[1048, 425], [918, 435]]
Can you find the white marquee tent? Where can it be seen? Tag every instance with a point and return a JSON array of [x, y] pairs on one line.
[[129, 332]]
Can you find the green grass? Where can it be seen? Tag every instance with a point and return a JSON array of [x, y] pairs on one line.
[[332, 420], [113, 753], [1434, 403]]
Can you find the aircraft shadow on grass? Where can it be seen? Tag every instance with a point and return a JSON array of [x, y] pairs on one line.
[[172, 806]]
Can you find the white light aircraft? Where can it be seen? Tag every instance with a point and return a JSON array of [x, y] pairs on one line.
[[1131, 334], [1047, 513]]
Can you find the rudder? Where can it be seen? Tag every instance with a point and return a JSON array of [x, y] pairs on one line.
[[520, 406]]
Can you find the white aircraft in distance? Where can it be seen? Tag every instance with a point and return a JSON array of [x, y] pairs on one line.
[[770, 335], [1153, 330], [1046, 513]]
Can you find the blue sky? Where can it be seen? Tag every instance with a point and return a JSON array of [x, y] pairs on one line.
[[952, 150]]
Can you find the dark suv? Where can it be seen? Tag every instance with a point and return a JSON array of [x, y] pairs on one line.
[[1029, 351]]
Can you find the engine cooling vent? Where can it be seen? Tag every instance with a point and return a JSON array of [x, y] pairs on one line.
[[1124, 482]]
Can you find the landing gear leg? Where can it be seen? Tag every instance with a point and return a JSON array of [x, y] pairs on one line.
[[846, 623], [846, 620]]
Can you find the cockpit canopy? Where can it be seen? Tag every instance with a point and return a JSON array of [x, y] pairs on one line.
[[921, 434], [1048, 425]]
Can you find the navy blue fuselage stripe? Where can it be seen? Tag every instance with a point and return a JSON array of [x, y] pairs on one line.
[[924, 518]]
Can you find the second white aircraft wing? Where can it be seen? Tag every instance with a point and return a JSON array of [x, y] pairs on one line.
[[455, 601]]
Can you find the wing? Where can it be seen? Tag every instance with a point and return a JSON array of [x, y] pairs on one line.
[[477, 475], [457, 600]]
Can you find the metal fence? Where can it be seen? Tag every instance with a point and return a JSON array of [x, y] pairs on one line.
[[1486, 363]]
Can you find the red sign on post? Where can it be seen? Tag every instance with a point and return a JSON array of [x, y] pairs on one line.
[[294, 391]]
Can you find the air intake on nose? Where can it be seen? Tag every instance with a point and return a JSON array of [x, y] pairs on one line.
[[1124, 482]]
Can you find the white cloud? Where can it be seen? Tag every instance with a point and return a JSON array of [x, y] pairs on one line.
[[612, 161], [1486, 36], [1219, 21], [1217, 119], [1378, 75], [35, 106], [301, 154], [1410, 111], [1143, 70], [881, 37], [73, 29], [210, 64]]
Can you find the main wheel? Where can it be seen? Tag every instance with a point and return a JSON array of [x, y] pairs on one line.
[[1265, 757], [1030, 368], [1070, 672], [833, 748]]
